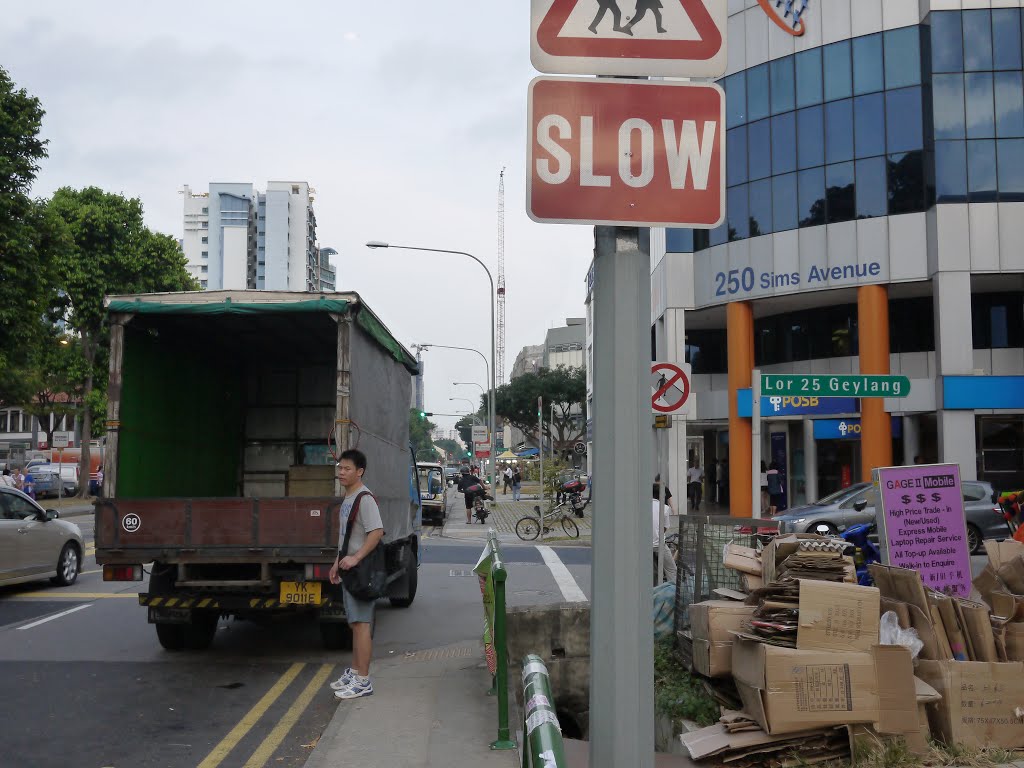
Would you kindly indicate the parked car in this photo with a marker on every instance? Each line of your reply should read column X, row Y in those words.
column 856, row 504
column 35, row 544
column 68, row 472
column 45, row 483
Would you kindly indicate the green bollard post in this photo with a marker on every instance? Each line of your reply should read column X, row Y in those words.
column 499, row 576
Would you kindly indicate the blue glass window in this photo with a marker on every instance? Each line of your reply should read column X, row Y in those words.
column 736, row 100
column 950, row 172
column 1009, row 88
column 947, row 42
column 1006, row 38
column 783, row 98
column 811, row 192
column 906, row 183
column 1011, row 169
column 757, row 92
column 839, row 131
column 808, row 77
column 867, row 64
column 810, row 133
column 981, row 171
column 838, row 71
column 948, row 106
column 904, row 128
column 980, row 105
column 759, row 150
column 736, row 156
column 679, row 240
column 760, row 208
column 739, row 225
column 719, row 234
column 902, row 57
column 701, row 239
column 840, row 192
column 784, row 143
column 871, row 189
column 977, row 40
column 869, row 125
column 784, row 194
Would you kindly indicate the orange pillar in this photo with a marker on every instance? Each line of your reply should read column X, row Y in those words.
column 740, row 337
column 873, row 335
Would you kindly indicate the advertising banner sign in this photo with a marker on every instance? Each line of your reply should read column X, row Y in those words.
column 775, row 405
column 923, row 524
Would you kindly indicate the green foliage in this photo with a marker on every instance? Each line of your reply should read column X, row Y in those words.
column 676, row 694
column 451, row 446
column 566, row 388
column 465, row 425
column 420, row 428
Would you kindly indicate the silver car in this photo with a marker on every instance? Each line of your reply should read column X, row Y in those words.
column 856, row 504
column 34, row 544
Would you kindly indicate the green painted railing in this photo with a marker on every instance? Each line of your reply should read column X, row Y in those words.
column 542, row 737
column 491, row 571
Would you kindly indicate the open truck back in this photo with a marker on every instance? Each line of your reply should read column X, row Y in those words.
column 226, row 412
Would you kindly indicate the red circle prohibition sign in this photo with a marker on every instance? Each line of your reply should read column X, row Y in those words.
column 671, row 374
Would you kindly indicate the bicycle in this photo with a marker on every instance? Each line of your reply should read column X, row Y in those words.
column 528, row 527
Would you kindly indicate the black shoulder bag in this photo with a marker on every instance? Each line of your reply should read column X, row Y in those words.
column 367, row 580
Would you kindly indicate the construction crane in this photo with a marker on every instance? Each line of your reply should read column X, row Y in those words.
column 499, row 362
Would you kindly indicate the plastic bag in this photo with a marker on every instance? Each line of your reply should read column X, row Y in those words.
column 890, row 633
column 664, row 611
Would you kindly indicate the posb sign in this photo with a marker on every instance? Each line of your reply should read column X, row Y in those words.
column 626, row 152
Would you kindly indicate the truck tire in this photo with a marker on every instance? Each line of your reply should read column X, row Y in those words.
column 336, row 635
column 410, row 581
column 171, row 636
column 200, row 633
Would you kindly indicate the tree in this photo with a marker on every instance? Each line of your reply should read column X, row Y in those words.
column 565, row 387
column 53, row 376
column 27, row 276
column 420, row 428
column 465, row 424
column 451, row 447
column 109, row 251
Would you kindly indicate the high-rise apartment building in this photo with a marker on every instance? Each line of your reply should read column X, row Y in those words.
column 236, row 237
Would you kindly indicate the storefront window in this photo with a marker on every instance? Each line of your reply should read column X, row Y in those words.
column 997, row 320
column 1001, row 440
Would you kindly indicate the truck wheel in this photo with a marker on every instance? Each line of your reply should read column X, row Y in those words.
column 336, row 635
column 200, row 633
column 171, row 636
column 412, row 577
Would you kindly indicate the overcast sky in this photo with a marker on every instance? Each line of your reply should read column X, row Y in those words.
column 400, row 114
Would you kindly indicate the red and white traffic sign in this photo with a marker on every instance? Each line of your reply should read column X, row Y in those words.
column 674, row 38
column 626, row 152
column 670, row 388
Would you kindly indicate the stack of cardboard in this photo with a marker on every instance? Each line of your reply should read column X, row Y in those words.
column 711, row 626
column 738, row 741
column 966, row 656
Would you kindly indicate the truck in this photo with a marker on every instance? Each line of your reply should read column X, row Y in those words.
column 227, row 412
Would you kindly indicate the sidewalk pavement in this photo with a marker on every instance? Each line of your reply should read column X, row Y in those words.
column 428, row 709
column 504, row 515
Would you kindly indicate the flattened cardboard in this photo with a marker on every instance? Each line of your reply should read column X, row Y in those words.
column 980, row 702
column 837, row 616
column 787, row 690
column 1000, row 552
column 1015, row 642
column 979, row 630
column 742, row 559
column 899, row 584
column 1012, row 574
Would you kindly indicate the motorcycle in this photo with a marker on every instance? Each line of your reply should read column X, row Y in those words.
column 480, row 511
column 571, row 493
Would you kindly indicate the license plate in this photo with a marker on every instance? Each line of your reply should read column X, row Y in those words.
column 300, row 592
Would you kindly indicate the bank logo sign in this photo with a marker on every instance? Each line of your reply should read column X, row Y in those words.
column 787, row 14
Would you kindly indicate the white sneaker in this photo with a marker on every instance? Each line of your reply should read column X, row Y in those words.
column 346, row 679
column 360, row 686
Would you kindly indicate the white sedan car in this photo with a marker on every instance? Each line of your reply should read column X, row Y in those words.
column 34, row 544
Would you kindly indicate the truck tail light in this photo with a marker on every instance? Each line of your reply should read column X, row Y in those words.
column 122, row 573
column 318, row 572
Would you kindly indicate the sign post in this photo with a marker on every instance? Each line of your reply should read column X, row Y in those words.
column 755, row 443
column 670, row 395
column 60, row 442
column 540, row 453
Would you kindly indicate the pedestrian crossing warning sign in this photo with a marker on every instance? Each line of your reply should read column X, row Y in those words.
column 656, row 38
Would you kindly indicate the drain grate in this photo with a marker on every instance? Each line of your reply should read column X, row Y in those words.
column 440, row 654
column 459, row 572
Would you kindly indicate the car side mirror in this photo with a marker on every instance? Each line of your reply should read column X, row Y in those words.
column 861, row 505
column 52, row 514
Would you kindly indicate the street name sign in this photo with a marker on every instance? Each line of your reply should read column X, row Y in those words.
column 835, row 386
column 680, row 38
column 626, row 152
column 61, row 439
column 670, row 389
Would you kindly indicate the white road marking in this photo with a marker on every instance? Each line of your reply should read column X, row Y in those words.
column 566, row 583
column 55, row 616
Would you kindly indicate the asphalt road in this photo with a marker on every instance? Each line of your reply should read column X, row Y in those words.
column 85, row 680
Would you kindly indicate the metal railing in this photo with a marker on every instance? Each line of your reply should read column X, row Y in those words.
column 542, row 736
column 491, row 571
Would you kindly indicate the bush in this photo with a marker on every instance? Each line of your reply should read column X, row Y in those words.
column 676, row 694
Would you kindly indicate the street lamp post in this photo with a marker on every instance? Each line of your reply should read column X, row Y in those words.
column 490, row 302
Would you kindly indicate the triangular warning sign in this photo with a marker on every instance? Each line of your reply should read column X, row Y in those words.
column 621, row 42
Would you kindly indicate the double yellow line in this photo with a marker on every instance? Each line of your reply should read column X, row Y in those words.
column 273, row 740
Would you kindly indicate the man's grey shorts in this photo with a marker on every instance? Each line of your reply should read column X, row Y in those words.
column 358, row 611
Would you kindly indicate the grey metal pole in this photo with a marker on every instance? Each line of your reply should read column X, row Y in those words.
column 755, row 441
column 621, row 643
column 540, row 453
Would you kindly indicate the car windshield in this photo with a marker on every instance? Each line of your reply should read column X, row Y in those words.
column 839, row 495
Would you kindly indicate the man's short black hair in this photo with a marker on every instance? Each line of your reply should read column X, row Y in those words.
column 354, row 455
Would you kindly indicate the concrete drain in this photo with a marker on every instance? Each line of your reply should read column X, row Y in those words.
column 440, row 654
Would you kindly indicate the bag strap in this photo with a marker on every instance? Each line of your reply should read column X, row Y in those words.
column 352, row 519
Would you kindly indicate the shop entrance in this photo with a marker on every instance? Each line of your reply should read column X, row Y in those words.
column 838, row 465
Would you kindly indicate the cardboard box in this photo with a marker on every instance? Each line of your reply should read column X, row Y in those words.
column 781, row 547
column 712, row 659
column 863, row 736
column 982, row 702
column 787, row 690
column 1015, row 641
column 711, row 625
column 742, row 559
column 838, row 617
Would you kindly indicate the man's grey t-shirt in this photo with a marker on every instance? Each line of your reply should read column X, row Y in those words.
column 367, row 520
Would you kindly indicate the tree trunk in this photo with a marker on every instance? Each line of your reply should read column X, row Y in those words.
column 89, row 350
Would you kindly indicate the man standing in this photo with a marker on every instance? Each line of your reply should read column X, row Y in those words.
column 517, row 483
column 695, row 483
column 367, row 532
column 507, row 474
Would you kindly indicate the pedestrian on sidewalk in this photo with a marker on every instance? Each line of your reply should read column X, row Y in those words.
column 6, row 480
column 764, row 489
column 774, row 489
column 19, row 479
column 517, row 484
column 669, row 565
column 695, row 484
column 668, row 495
column 507, row 477
column 366, row 534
